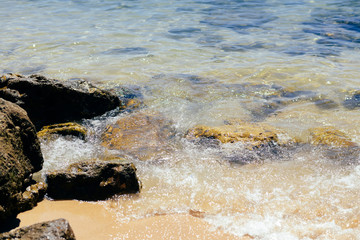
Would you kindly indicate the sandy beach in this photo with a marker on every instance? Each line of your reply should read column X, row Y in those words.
column 91, row 220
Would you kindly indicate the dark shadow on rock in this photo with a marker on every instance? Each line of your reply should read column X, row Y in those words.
column 9, row 225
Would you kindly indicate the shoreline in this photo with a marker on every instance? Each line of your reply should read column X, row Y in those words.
column 91, row 220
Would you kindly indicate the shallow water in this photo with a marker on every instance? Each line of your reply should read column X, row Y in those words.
column 190, row 60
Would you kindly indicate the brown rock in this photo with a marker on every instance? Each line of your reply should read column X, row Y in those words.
column 140, row 134
column 95, row 180
column 55, row 230
column 20, row 156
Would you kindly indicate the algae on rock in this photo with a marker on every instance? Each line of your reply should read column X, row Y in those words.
column 255, row 134
column 330, row 136
column 64, row 129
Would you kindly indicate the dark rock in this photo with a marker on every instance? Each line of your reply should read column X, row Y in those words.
column 95, row 180
column 353, row 102
column 58, row 229
column 20, row 156
column 50, row 101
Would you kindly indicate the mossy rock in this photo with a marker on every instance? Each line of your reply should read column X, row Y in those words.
column 64, row 129
column 143, row 135
column 330, row 136
column 254, row 134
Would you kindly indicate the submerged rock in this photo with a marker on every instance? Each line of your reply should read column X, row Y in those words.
column 330, row 136
column 64, row 129
column 130, row 96
column 50, row 101
column 243, row 142
column 326, row 104
column 95, row 180
column 55, row 230
column 236, row 131
column 335, row 144
column 20, row 157
column 141, row 135
column 353, row 102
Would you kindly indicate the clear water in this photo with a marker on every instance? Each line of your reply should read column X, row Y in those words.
column 187, row 57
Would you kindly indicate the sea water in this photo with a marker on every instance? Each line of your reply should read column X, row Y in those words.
column 190, row 61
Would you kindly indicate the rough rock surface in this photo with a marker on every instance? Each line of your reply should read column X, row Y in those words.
column 55, row 230
column 20, row 156
column 236, row 131
column 143, row 135
column 330, row 136
column 64, row 129
column 95, row 180
column 49, row 101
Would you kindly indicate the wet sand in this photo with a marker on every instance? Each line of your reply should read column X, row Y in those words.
column 94, row 221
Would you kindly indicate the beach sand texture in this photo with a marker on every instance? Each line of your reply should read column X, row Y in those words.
column 94, row 221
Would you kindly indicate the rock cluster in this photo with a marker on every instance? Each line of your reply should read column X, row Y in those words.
column 36, row 99
column 145, row 135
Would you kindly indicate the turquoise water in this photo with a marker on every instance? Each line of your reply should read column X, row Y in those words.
column 190, row 61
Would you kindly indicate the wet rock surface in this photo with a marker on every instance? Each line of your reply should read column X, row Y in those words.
column 330, row 136
column 63, row 129
column 236, row 131
column 95, row 180
column 335, row 145
column 50, row 101
column 243, row 142
column 143, row 135
column 20, row 157
column 56, row 230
